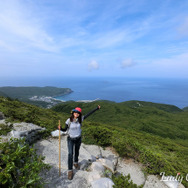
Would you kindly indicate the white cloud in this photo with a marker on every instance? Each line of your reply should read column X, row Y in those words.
column 93, row 65
column 20, row 29
column 127, row 63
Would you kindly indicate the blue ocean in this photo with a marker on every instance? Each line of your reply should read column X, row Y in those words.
column 166, row 91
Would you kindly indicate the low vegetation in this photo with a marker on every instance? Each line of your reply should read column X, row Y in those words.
column 4, row 129
column 166, row 121
column 122, row 181
column 154, row 135
column 17, row 111
column 20, row 166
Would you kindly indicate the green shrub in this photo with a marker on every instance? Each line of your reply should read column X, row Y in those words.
column 19, row 165
column 154, row 162
column 122, row 181
column 97, row 135
column 4, row 129
column 125, row 146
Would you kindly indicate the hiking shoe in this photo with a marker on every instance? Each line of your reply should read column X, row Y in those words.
column 76, row 165
column 70, row 174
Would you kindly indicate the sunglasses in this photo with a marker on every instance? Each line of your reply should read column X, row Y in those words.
column 75, row 111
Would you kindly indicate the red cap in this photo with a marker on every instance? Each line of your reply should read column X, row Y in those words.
column 77, row 109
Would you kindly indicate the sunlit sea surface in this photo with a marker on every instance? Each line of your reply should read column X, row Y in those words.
column 167, row 91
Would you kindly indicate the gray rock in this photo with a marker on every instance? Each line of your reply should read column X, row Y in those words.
column 50, row 149
column 53, row 179
column 79, row 180
column 3, row 121
column 154, row 182
column 84, row 178
column 92, row 176
column 84, row 164
column 97, row 166
column 17, row 134
column 28, row 130
column 23, row 130
column 107, row 164
column 129, row 167
column 108, row 153
column 181, row 186
column 2, row 116
column 89, row 152
column 26, row 127
column 171, row 181
column 102, row 183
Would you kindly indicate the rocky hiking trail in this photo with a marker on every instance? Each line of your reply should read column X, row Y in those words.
column 95, row 162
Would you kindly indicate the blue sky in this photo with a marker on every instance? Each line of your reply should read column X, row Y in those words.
column 137, row 38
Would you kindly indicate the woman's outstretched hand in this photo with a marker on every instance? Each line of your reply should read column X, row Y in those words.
column 99, row 106
column 59, row 127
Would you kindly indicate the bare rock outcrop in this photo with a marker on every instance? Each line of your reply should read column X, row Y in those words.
column 29, row 131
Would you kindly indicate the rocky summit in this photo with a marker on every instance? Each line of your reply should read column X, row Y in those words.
column 96, row 167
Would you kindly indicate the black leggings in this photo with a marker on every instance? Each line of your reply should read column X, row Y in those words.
column 73, row 145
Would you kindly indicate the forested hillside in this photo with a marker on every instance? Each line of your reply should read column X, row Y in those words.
column 26, row 92
column 166, row 121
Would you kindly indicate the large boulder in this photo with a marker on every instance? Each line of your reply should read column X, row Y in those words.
column 89, row 152
column 92, row 176
column 134, row 169
column 110, row 154
column 107, row 164
column 84, row 164
column 97, row 166
column 102, row 183
column 29, row 131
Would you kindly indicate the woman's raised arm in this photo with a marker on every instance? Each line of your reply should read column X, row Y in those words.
column 98, row 107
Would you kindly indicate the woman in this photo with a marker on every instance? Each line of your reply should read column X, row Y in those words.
column 73, row 125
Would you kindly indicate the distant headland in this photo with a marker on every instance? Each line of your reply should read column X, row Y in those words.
column 40, row 96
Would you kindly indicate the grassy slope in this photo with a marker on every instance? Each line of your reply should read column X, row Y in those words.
column 171, row 122
column 121, row 126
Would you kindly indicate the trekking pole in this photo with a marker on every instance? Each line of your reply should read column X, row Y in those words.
column 59, row 150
